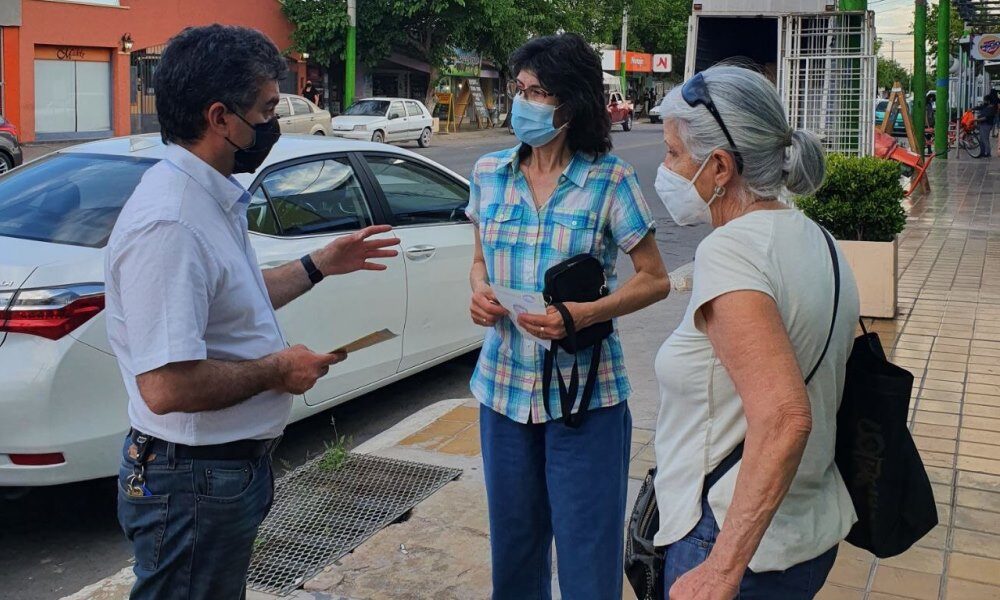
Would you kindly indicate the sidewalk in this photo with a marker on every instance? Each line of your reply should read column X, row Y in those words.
column 947, row 333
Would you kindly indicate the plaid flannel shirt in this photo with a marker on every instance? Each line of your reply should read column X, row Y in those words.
column 597, row 208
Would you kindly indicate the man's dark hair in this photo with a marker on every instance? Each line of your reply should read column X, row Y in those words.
column 569, row 68
column 214, row 63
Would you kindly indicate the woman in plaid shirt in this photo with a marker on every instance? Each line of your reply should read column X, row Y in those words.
column 558, row 194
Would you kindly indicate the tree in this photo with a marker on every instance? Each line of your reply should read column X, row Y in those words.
column 320, row 28
column 889, row 72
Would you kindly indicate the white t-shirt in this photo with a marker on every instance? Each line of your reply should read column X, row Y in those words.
column 783, row 254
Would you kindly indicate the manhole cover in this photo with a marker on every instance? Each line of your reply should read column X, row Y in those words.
column 320, row 515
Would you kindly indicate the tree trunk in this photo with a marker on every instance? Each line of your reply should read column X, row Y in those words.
column 431, row 100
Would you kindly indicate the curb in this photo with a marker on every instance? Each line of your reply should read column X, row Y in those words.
column 408, row 426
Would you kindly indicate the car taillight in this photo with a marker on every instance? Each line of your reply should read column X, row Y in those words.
column 9, row 129
column 37, row 460
column 50, row 313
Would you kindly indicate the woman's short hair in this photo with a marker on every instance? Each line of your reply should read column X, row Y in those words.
column 568, row 67
column 775, row 156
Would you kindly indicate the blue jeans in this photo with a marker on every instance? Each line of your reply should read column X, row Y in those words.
column 193, row 536
column 545, row 480
column 799, row 582
column 984, row 138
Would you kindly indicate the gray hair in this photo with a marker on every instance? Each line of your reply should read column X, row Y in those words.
column 775, row 156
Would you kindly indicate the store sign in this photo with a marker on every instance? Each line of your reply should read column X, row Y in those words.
column 986, row 47
column 609, row 60
column 464, row 64
column 443, row 97
column 638, row 62
column 663, row 63
column 67, row 53
column 72, row 53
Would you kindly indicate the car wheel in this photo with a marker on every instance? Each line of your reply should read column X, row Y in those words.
column 425, row 138
column 319, row 132
column 6, row 164
column 627, row 123
column 378, row 137
column 654, row 119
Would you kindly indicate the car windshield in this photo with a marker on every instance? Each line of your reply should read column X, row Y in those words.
column 368, row 108
column 68, row 198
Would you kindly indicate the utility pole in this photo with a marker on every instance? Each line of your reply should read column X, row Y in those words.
column 624, row 50
column 942, row 112
column 919, row 71
column 350, row 55
column 892, row 50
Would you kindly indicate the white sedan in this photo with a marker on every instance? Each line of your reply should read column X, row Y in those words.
column 62, row 401
column 385, row 120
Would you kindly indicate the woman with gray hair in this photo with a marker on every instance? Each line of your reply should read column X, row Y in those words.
column 752, row 378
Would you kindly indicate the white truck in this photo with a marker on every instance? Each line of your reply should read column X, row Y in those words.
column 821, row 60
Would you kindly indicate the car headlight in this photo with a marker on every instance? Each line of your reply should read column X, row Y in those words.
column 360, row 128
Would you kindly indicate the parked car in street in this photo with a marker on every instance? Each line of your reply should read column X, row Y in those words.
column 386, row 120
column 898, row 126
column 10, row 147
column 63, row 403
column 620, row 110
column 298, row 115
column 655, row 113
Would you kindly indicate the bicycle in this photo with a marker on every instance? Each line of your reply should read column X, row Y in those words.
column 963, row 134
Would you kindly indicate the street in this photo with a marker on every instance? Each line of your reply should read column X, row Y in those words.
column 57, row 540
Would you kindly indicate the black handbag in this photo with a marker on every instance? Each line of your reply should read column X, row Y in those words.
column 579, row 279
column 877, row 457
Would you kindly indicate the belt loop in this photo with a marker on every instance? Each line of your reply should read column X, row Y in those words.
column 171, row 455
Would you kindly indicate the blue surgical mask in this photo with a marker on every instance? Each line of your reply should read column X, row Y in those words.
column 532, row 122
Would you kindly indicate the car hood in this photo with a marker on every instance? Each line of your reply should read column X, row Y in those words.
column 347, row 122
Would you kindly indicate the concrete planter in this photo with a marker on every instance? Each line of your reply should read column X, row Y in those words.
column 874, row 265
column 436, row 124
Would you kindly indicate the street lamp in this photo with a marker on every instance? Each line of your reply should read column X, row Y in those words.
column 126, row 43
column 305, row 56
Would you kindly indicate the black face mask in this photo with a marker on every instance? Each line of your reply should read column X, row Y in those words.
column 265, row 135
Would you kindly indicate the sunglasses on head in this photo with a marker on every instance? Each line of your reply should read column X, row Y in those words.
column 695, row 92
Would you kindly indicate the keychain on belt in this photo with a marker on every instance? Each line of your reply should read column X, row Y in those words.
column 136, row 483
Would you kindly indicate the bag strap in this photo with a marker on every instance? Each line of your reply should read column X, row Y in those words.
column 567, row 396
column 737, row 453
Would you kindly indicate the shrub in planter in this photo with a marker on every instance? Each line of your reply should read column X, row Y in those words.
column 859, row 200
column 860, row 204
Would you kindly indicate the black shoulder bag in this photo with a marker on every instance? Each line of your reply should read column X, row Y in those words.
column 579, row 279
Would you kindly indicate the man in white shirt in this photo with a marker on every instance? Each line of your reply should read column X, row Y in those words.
column 191, row 319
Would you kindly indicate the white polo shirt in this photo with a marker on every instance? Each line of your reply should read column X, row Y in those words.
column 183, row 284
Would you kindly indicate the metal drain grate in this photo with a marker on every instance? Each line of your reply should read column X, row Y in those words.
column 320, row 515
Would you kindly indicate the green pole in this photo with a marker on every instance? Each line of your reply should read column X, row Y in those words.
column 350, row 55
column 624, row 52
column 853, row 108
column 919, row 70
column 942, row 112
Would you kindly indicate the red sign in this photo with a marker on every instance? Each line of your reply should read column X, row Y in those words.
column 662, row 63
column 638, row 62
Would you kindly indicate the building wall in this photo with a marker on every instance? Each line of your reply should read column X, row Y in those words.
column 148, row 22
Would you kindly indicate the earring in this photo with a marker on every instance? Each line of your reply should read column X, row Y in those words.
column 719, row 191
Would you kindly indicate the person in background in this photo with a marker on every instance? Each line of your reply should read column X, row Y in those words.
column 310, row 93
column 560, row 193
column 732, row 375
column 986, row 114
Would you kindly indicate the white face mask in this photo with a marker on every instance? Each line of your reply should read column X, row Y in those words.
column 681, row 197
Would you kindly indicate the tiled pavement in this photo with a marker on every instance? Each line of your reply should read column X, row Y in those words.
column 947, row 333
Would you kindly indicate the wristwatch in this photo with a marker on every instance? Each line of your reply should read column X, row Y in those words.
column 315, row 275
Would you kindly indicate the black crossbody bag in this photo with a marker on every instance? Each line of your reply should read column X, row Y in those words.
column 579, row 279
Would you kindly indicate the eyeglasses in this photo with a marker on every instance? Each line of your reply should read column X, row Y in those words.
column 533, row 93
column 695, row 92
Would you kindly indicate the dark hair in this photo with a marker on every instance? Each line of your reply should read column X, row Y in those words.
column 214, row 63
column 569, row 68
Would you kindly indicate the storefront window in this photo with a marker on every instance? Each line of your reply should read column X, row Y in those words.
column 72, row 96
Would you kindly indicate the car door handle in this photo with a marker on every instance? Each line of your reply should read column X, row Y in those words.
column 423, row 252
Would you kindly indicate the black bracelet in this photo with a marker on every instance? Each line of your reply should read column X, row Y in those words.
column 315, row 275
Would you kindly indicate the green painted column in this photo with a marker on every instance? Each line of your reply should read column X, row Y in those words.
column 942, row 113
column 852, row 107
column 350, row 54
column 919, row 70
column 853, row 4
